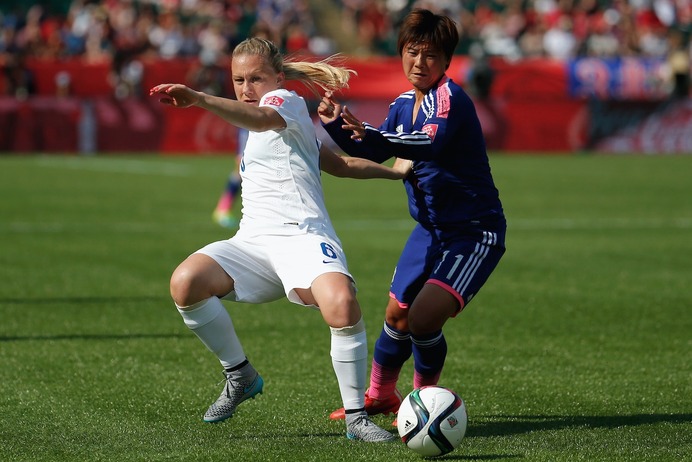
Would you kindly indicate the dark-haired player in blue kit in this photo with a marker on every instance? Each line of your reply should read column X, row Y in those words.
column 460, row 235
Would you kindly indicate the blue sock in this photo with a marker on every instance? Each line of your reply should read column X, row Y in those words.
column 392, row 348
column 429, row 353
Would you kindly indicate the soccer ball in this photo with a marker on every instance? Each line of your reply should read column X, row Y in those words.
column 432, row 420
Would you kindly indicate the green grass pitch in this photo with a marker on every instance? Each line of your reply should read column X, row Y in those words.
column 579, row 348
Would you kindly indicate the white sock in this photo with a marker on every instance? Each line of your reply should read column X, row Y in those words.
column 210, row 321
column 349, row 353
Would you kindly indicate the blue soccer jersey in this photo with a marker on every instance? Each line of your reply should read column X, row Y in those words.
column 451, row 187
column 451, row 194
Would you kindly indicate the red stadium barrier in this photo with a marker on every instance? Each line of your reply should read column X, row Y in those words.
column 86, row 79
column 45, row 124
column 533, row 79
column 127, row 125
column 196, row 130
column 529, row 108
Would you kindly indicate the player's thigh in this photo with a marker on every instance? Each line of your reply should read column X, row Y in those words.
column 432, row 308
column 335, row 295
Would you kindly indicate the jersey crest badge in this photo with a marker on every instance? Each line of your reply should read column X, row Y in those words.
column 431, row 130
column 274, row 101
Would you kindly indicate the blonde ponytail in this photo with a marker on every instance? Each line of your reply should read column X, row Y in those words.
column 322, row 74
column 325, row 74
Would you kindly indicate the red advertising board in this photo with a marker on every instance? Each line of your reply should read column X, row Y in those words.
column 531, row 106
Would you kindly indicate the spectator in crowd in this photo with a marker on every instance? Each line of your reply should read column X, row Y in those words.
column 559, row 41
column 124, row 30
column 678, row 62
column 127, row 31
column 18, row 80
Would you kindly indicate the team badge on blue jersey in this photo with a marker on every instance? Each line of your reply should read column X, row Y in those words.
column 431, row 130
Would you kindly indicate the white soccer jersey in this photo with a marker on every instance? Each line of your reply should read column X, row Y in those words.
column 282, row 186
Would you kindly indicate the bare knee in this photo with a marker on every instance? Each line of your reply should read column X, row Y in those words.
column 344, row 308
column 345, row 297
column 396, row 316
column 182, row 287
column 198, row 278
column 337, row 302
column 335, row 296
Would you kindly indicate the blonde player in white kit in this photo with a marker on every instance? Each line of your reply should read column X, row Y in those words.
column 286, row 244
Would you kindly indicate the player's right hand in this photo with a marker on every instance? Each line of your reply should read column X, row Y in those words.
column 329, row 108
column 175, row 94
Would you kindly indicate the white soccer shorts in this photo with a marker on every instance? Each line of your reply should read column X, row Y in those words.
column 268, row 267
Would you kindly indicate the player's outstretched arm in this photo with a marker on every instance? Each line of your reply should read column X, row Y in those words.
column 240, row 114
column 361, row 169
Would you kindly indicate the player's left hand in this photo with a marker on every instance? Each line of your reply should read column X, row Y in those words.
column 353, row 123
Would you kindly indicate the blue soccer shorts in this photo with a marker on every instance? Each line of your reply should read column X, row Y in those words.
column 459, row 263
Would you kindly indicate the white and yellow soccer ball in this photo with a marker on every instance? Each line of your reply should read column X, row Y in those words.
column 432, row 420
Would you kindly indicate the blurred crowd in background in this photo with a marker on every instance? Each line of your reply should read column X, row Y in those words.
column 126, row 31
